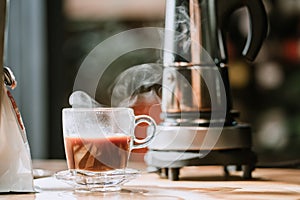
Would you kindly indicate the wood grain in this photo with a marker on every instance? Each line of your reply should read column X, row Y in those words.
column 205, row 182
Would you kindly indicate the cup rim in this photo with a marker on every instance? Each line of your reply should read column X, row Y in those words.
column 106, row 109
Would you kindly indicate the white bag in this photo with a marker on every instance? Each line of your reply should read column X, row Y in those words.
column 15, row 160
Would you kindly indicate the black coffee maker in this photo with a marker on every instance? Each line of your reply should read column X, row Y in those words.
column 199, row 125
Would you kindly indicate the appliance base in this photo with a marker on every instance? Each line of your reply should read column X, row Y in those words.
column 168, row 163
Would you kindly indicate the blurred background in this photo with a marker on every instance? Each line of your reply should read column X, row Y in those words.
column 48, row 40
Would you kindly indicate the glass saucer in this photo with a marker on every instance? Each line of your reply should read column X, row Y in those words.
column 85, row 181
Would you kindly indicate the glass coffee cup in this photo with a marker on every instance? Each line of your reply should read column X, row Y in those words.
column 98, row 142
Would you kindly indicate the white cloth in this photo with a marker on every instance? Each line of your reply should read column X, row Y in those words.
column 15, row 160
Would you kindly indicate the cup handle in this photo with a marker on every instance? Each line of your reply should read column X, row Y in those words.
column 141, row 143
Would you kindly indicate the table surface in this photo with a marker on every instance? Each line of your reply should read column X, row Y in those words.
column 204, row 182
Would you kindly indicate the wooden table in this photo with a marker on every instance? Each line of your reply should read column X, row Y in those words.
column 205, row 182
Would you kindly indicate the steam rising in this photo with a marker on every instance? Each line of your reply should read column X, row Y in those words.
column 80, row 99
column 182, row 27
column 178, row 35
column 135, row 80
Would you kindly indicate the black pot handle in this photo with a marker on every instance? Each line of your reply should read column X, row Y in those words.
column 258, row 24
